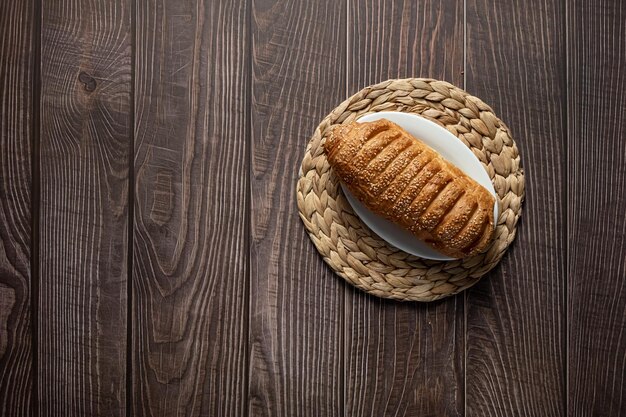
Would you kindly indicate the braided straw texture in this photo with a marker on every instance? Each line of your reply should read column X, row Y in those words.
column 360, row 256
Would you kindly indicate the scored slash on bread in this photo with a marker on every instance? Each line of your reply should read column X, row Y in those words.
column 404, row 180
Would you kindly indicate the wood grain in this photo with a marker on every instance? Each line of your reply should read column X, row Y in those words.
column 18, row 58
column 597, row 195
column 86, row 134
column 403, row 359
column 17, row 65
column 205, row 108
column 191, row 209
column 402, row 39
column 296, row 330
column 515, row 315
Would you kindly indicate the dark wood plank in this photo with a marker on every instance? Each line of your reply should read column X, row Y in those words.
column 402, row 39
column 515, row 315
column 597, row 194
column 404, row 359
column 190, row 236
column 86, row 136
column 17, row 64
column 296, row 303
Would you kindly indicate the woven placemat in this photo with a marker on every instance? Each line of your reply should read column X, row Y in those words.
column 355, row 252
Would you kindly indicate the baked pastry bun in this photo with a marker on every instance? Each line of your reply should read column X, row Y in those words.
column 404, row 180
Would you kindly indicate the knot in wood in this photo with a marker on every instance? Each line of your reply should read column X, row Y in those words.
column 88, row 81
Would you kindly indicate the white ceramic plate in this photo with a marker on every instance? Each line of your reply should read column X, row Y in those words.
column 452, row 149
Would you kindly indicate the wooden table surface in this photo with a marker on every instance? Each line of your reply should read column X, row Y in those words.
column 152, row 262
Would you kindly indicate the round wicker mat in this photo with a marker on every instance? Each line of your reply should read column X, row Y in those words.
column 360, row 256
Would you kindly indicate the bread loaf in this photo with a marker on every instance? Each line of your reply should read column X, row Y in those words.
column 404, row 180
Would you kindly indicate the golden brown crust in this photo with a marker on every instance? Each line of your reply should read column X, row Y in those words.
column 409, row 183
